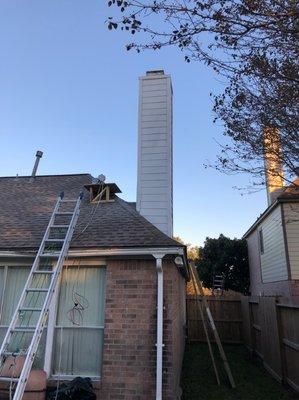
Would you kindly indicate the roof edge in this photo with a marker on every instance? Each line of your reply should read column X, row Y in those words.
column 267, row 212
column 43, row 176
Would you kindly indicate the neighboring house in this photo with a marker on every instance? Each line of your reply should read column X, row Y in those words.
column 120, row 268
column 273, row 245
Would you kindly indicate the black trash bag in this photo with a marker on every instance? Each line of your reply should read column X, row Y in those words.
column 77, row 389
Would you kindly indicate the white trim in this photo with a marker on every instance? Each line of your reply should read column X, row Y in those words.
column 4, row 284
column 71, row 377
column 108, row 252
column 50, row 330
column 159, row 344
column 100, row 327
column 86, row 263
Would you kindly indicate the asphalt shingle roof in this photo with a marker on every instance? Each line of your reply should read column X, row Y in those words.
column 291, row 191
column 26, row 206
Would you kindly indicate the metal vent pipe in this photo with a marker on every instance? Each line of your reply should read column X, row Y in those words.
column 38, row 156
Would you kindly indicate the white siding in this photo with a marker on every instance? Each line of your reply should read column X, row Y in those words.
column 154, row 186
column 291, row 219
column 273, row 261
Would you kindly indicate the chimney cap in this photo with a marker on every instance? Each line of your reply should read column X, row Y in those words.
column 39, row 154
column 155, row 72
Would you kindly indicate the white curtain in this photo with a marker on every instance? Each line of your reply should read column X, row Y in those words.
column 15, row 281
column 78, row 337
column 14, row 284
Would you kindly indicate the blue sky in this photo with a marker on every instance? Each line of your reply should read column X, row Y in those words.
column 68, row 87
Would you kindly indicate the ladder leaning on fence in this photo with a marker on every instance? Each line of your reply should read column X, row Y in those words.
column 55, row 245
column 200, row 292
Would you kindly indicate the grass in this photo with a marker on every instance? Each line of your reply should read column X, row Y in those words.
column 252, row 381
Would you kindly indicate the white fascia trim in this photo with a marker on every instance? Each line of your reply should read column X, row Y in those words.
column 127, row 252
column 109, row 252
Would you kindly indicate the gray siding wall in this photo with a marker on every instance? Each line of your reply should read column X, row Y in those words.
column 257, row 287
column 291, row 220
column 154, row 184
column 273, row 261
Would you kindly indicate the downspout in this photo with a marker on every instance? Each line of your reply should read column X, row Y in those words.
column 159, row 344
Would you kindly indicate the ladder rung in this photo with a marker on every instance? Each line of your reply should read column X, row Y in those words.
column 43, row 272
column 51, row 255
column 55, row 240
column 22, row 309
column 8, row 379
column 37, row 290
column 59, row 226
column 24, row 329
column 68, row 201
column 13, row 354
column 64, row 213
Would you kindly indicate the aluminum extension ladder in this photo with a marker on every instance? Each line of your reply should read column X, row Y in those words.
column 46, row 252
column 218, row 284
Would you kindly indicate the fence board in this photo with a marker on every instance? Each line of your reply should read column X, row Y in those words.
column 271, row 330
column 289, row 317
column 270, row 345
column 227, row 315
column 267, row 325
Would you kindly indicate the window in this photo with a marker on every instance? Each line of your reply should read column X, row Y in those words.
column 261, row 241
column 77, row 348
column 12, row 281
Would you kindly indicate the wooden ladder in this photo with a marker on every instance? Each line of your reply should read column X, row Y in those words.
column 200, row 292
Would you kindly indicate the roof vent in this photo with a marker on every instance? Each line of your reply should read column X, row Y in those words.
column 38, row 156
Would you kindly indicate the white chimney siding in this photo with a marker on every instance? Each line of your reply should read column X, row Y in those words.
column 154, row 184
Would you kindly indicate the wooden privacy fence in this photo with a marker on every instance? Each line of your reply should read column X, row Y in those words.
column 227, row 315
column 269, row 326
column 271, row 330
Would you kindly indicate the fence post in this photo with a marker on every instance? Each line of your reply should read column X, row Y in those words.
column 246, row 321
column 283, row 361
column 251, row 329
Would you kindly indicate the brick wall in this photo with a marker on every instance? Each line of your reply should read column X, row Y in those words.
column 129, row 355
column 295, row 288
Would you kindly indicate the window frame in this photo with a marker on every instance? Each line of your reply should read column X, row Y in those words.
column 50, row 328
column 261, row 241
column 52, row 320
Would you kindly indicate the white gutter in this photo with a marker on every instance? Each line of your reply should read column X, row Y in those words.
column 159, row 344
column 107, row 252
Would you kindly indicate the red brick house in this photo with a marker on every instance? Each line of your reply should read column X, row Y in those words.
column 114, row 263
column 128, row 335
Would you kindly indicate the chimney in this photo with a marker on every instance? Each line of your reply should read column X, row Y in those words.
column 273, row 165
column 154, row 181
column 38, row 156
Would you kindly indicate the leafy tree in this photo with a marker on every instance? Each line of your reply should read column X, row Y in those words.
column 228, row 258
column 192, row 251
column 254, row 45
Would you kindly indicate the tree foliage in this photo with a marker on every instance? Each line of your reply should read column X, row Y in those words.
column 192, row 251
column 254, row 45
column 228, row 258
